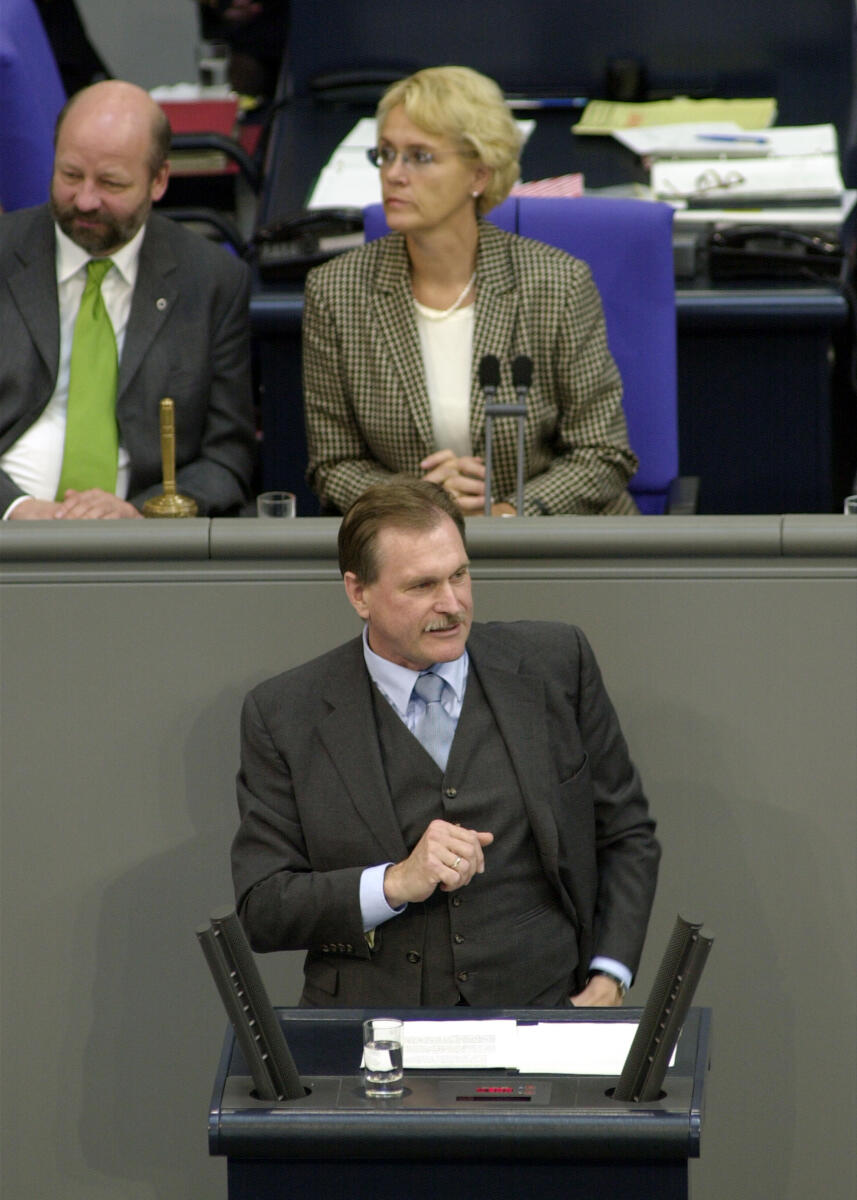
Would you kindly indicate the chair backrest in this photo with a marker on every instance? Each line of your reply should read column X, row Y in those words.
column 628, row 247
column 31, row 96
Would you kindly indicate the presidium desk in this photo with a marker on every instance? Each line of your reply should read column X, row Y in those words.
column 454, row 1134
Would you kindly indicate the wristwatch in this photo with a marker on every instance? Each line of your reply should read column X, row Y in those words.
column 620, row 983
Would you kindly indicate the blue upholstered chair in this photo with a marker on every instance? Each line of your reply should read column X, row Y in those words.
column 31, row 96
column 628, row 246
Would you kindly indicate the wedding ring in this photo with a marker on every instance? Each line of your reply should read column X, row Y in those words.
column 455, row 864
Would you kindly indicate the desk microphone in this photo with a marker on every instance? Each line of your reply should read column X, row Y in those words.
column 522, row 376
column 489, row 376
column 489, row 381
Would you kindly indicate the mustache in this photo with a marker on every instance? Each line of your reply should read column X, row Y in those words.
column 448, row 622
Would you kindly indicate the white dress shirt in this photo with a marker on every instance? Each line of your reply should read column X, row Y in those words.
column 34, row 461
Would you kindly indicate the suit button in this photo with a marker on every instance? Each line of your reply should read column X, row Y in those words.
column 458, row 939
column 456, row 901
column 451, row 793
column 412, row 956
column 462, row 977
column 350, row 948
column 325, row 949
column 340, row 948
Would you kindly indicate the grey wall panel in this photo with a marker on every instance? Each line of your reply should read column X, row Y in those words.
column 735, row 681
column 149, row 44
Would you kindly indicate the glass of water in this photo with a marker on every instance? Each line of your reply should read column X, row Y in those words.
column 382, row 1057
column 276, row 504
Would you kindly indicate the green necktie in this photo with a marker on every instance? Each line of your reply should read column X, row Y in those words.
column 91, row 446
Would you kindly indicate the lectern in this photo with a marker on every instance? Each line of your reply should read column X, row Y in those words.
column 454, row 1133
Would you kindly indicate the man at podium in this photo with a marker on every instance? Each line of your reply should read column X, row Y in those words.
column 441, row 812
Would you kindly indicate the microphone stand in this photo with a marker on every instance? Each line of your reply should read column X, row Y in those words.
column 489, row 379
column 522, row 377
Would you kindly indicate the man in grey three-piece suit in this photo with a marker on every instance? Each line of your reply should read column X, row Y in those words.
column 178, row 307
column 478, row 836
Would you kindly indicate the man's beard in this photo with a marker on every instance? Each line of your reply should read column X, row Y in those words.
column 107, row 234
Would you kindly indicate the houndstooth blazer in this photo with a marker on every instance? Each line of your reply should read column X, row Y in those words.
column 365, row 398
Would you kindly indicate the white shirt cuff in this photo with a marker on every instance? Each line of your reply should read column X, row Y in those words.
column 8, row 513
column 612, row 967
column 373, row 903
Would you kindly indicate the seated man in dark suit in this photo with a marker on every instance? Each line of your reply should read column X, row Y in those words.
column 106, row 308
column 441, row 812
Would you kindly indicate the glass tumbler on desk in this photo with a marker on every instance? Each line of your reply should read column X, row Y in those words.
column 276, row 504
column 382, row 1057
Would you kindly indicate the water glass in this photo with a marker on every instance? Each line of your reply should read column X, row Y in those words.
column 276, row 504
column 382, row 1057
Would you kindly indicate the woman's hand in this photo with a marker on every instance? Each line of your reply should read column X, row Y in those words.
column 463, row 476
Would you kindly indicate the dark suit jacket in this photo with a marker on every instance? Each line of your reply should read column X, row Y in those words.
column 187, row 337
column 365, row 398
column 316, row 810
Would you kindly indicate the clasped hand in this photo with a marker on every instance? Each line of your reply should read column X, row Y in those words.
column 463, row 476
column 446, row 856
column 78, row 506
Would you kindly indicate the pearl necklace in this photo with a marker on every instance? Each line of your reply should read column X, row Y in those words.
column 438, row 315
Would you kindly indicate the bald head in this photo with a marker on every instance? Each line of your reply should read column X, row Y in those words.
column 114, row 105
column 110, row 164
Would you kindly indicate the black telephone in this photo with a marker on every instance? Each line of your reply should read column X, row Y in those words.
column 765, row 252
column 288, row 249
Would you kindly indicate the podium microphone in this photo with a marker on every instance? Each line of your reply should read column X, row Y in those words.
column 489, row 381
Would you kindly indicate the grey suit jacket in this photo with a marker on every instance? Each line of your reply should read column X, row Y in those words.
column 187, row 337
column 365, row 398
column 315, row 807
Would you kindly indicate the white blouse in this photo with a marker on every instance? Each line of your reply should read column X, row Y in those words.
column 447, row 348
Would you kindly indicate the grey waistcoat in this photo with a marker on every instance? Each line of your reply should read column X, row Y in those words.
column 502, row 941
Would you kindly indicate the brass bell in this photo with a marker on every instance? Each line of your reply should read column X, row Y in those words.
column 170, row 503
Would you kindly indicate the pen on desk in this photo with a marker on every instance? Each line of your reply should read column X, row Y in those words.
column 526, row 102
column 732, row 137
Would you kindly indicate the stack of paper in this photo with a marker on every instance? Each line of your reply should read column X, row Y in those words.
column 349, row 180
column 726, row 139
column 606, row 116
column 784, row 175
column 558, row 185
column 750, row 182
column 542, row 1047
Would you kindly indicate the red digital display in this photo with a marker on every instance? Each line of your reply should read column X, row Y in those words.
column 505, row 1091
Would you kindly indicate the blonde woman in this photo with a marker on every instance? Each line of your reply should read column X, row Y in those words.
column 394, row 332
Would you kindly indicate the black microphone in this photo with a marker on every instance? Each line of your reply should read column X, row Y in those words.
column 522, row 376
column 489, row 375
column 489, row 381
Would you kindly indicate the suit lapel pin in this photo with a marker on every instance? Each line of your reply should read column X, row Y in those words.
column 160, row 304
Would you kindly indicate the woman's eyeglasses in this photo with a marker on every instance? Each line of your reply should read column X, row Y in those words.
column 415, row 159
